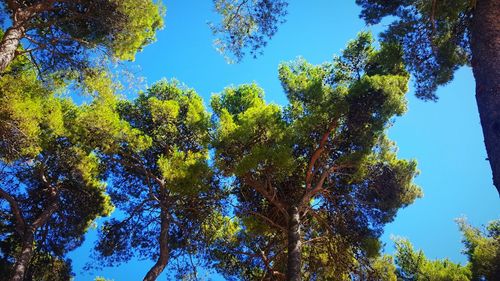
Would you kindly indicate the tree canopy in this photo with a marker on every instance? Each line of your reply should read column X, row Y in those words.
column 437, row 37
column 71, row 35
column 246, row 25
column 254, row 191
column 162, row 180
column 320, row 172
column 51, row 184
column 482, row 248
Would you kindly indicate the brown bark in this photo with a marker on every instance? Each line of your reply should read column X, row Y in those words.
column 13, row 35
column 24, row 258
column 28, row 231
column 162, row 261
column 16, row 211
column 294, row 262
column 317, row 154
column 485, row 44
column 9, row 44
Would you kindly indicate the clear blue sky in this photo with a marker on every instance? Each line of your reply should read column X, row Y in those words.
column 445, row 137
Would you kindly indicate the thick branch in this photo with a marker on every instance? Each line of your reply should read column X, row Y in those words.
column 16, row 211
column 46, row 214
column 164, row 256
column 309, row 194
column 317, row 153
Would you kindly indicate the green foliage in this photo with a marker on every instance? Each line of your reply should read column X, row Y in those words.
column 482, row 249
column 143, row 19
column 246, row 25
column 433, row 34
column 55, row 180
column 414, row 266
column 28, row 111
column 156, row 146
column 100, row 124
column 73, row 35
column 384, row 268
column 326, row 153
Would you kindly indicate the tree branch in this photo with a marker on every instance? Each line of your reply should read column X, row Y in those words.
column 270, row 197
column 267, row 263
column 319, row 186
column 16, row 211
column 268, row 220
column 46, row 214
column 317, row 153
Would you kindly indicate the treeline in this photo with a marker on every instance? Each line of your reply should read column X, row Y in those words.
column 254, row 191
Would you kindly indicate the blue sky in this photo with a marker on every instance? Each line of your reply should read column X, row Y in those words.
column 445, row 137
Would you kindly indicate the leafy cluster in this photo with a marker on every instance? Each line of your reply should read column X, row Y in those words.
column 435, row 36
column 62, row 35
column 246, row 25
column 482, row 248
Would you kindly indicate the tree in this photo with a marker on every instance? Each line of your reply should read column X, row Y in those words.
column 51, row 187
column 64, row 34
column 246, row 25
column 246, row 248
column 42, row 267
column 438, row 37
column 482, row 247
column 319, row 175
column 414, row 266
column 157, row 149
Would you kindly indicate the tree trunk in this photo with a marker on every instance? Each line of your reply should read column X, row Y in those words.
column 9, row 44
column 485, row 44
column 162, row 261
column 24, row 258
column 294, row 263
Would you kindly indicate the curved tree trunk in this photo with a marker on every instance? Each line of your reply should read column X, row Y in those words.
column 24, row 258
column 294, row 263
column 9, row 44
column 162, row 261
column 485, row 46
